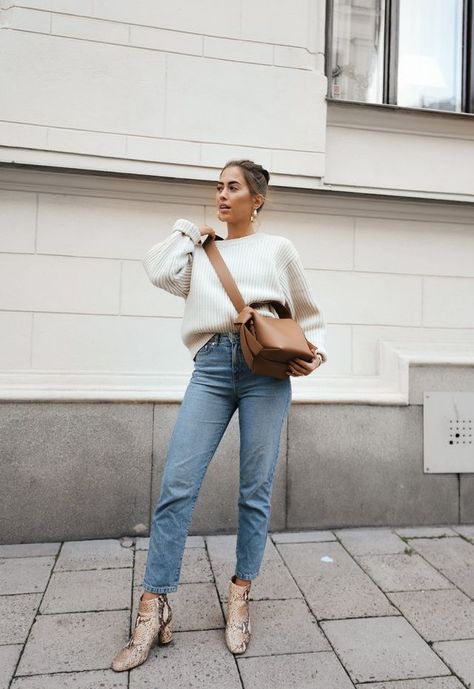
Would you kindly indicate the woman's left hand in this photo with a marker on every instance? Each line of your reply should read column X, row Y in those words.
column 300, row 367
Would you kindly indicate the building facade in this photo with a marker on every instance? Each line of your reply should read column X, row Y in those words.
column 115, row 120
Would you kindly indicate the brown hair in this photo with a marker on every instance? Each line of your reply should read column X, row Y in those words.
column 255, row 175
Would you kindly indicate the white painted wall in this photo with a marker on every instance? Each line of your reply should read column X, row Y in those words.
column 79, row 317
column 168, row 92
column 175, row 89
column 402, row 152
column 164, row 88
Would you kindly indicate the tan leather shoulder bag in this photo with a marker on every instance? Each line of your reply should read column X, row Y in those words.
column 267, row 343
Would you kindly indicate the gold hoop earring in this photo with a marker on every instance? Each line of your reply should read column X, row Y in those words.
column 254, row 215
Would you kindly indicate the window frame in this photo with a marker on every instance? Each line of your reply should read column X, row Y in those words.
column 390, row 59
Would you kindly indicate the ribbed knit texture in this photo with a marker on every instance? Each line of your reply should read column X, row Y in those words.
column 264, row 266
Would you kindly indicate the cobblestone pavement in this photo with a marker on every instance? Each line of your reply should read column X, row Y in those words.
column 382, row 608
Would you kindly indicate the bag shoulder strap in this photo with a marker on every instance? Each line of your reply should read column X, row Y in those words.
column 223, row 272
column 228, row 282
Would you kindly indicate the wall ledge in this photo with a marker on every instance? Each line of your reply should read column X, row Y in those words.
column 51, row 161
column 198, row 191
column 389, row 387
column 394, row 118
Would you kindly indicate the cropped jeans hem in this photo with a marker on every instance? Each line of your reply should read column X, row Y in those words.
column 160, row 589
column 247, row 576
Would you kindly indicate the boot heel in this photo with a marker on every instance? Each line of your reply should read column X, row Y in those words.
column 238, row 629
column 166, row 635
column 152, row 627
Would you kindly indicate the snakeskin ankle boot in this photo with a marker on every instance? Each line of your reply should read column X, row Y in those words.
column 238, row 630
column 152, row 626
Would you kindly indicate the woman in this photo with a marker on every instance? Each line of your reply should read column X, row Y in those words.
column 265, row 267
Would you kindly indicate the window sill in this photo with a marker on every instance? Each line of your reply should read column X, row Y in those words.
column 382, row 116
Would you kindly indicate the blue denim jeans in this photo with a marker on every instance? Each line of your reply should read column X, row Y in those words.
column 221, row 382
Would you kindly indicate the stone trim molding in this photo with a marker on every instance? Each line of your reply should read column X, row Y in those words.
column 390, row 386
column 200, row 191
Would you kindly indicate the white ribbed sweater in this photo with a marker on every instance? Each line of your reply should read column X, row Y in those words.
column 264, row 266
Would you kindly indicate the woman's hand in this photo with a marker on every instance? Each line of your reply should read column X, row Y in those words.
column 205, row 229
column 300, row 367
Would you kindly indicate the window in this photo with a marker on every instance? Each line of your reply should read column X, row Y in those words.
column 412, row 53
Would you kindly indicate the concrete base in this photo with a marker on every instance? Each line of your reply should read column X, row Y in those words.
column 82, row 470
column 90, row 470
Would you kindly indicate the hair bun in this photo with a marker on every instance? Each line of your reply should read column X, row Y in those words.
column 265, row 173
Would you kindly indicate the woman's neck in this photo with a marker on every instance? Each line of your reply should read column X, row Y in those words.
column 239, row 232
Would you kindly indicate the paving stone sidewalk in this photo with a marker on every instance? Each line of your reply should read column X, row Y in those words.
column 375, row 608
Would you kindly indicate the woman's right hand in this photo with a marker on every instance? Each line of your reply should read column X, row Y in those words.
column 205, row 229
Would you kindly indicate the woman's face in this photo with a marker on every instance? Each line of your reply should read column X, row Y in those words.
column 232, row 191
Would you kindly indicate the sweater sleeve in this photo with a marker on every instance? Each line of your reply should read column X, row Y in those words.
column 302, row 306
column 168, row 264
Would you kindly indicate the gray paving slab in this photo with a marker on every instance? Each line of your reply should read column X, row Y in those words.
column 466, row 530
column 301, row 671
column 24, row 574
column 437, row 615
column 8, row 659
column 96, row 679
column 223, row 547
column 85, row 590
column 17, row 613
column 402, row 572
column 142, row 543
column 187, row 615
column 370, row 541
column 332, row 582
column 381, row 649
column 274, row 580
column 74, row 642
column 29, row 549
column 93, row 554
column 195, row 566
column 424, row 531
column 88, row 590
column 195, row 607
column 453, row 557
column 127, row 542
column 428, row 683
column 459, row 656
column 139, row 567
column 283, row 626
column 200, row 660
column 302, row 536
